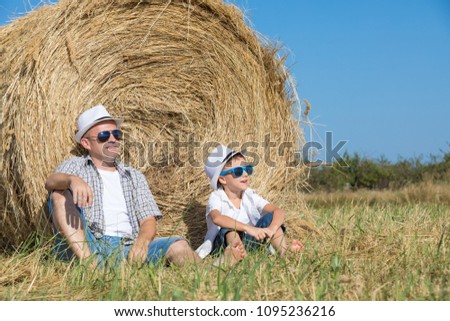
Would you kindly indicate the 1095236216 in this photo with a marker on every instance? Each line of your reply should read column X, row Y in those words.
column 295, row 311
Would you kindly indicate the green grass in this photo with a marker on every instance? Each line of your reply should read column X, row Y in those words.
column 362, row 251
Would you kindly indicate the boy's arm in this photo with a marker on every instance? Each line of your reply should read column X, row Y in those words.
column 278, row 217
column 230, row 223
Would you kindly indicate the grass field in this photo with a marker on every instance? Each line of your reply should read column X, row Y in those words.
column 368, row 246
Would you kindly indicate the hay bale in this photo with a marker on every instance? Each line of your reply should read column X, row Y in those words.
column 182, row 74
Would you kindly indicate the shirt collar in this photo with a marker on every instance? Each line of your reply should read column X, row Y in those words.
column 224, row 197
column 121, row 167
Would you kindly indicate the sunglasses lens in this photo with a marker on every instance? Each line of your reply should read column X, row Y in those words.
column 103, row 136
column 249, row 169
column 117, row 134
column 238, row 171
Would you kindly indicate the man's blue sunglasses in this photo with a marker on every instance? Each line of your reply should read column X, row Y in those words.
column 238, row 171
column 104, row 136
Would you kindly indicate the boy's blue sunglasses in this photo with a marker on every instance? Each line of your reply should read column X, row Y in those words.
column 104, row 136
column 238, row 171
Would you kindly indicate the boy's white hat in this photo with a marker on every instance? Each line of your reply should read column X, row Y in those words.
column 216, row 161
column 91, row 117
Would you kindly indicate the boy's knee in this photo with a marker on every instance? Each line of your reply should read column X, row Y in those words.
column 265, row 221
column 232, row 235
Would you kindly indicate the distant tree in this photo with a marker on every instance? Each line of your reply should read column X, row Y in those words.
column 358, row 172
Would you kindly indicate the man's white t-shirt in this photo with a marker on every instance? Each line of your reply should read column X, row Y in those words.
column 249, row 213
column 117, row 221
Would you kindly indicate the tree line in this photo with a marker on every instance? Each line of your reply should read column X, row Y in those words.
column 354, row 172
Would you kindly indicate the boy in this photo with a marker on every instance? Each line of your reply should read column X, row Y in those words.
column 235, row 213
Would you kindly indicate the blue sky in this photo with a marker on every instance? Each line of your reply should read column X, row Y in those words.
column 376, row 72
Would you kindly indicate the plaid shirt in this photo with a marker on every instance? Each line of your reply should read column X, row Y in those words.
column 138, row 197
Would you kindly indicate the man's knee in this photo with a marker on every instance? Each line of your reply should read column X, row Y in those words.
column 179, row 247
column 64, row 212
column 59, row 198
column 180, row 252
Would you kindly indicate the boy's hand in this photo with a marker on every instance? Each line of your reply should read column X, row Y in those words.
column 271, row 231
column 258, row 233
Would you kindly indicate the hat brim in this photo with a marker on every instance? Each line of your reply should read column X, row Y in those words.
column 215, row 178
column 84, row 130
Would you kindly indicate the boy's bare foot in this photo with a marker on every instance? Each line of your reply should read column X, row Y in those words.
column 238, row 249
column 233, row 253
column 296, row 246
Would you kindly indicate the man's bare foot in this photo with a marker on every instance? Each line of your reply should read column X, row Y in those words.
column 233, row 253
column 296, row 246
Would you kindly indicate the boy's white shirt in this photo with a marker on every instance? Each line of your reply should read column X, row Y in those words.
column 249, row 213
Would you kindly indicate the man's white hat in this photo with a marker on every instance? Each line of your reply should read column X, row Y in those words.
column 91, row 117
column 216, row 161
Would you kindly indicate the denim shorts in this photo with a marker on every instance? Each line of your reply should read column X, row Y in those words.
column 250, row 243
column 109, row 248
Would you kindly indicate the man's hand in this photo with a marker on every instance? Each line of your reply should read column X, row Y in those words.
column 138, row 252
column 147, row 231
column 81, row 191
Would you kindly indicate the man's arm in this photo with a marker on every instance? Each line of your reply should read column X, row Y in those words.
column 58, row 182
column 81, row 191
column 147, row 232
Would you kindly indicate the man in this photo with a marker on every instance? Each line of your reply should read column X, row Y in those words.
column 101, row 206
